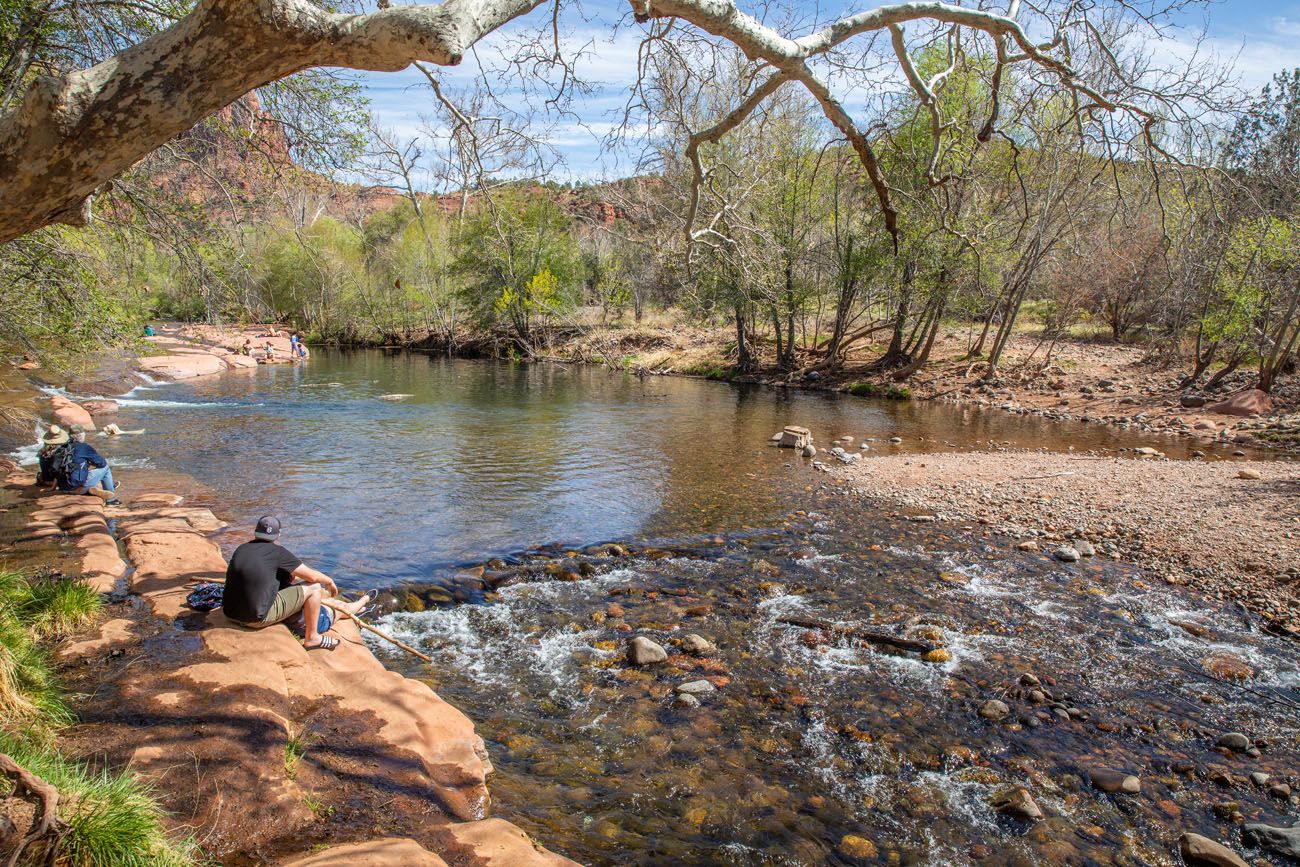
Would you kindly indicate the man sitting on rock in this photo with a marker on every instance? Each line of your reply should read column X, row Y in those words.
column 74, row 465
column 266, row 584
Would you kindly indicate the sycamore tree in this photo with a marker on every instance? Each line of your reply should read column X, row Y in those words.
column 74, row 123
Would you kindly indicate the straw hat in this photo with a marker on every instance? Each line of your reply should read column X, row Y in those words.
column 55, row 436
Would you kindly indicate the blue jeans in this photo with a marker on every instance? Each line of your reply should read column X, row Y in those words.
column 100, row 475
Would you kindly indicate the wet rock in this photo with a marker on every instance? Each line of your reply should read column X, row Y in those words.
column 1115, row 781
column 895, row 440
column 1148, row 452
column 1085, row 548
column 809, row 451
column 1029, row 547
column 794, row 437
column 1066, row 554
column 697, row 645
column 1249, row 474
column 994, row 710
column 1259, row 778
column 854, row 846
column 1016, row 801
column 1198, row 850
column 1281, row 841
column 1235, row 741
column 1028, row 679
column 938, row 655
column 685, row 699
column 1227, row 666
column 695, row 687
column 643, row 651
column 99, row 407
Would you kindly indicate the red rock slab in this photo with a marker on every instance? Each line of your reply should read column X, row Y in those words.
column 108, row 634
column 1252, row 401
column 66, row 413
column 237, row 362
column 185, row 366
column 497, row 843
column 419, row 735
column 388, row 852
column 100, row 407
column 82, row 516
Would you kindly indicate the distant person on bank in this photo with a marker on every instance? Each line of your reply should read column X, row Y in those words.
column 71, row 464
column 266, row 584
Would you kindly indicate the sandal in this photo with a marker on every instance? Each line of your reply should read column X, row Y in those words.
column 326, row 643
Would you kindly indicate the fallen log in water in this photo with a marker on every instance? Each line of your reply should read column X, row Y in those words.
column 861, row 634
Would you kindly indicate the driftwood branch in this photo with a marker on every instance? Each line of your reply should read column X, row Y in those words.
column 46, row 823
column 860, row 634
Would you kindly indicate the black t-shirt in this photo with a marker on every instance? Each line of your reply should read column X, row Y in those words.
column 258, row 570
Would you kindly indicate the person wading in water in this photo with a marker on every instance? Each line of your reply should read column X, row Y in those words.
column 266, row 584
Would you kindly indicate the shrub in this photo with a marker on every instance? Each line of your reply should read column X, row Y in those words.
column 888, row 392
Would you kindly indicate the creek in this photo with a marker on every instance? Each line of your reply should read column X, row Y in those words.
column 484, row 499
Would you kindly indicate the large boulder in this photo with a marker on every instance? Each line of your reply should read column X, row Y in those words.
column 1252, row 401
column 237, row 362
column 100, row 407
column 66, row 413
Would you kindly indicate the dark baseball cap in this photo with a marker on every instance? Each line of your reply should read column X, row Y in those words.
column 268, row 528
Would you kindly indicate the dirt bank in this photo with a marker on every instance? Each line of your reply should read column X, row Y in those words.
column 1186, row 522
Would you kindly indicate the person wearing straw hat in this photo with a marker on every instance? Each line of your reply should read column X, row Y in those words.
column 46, row 477
column 83, row 470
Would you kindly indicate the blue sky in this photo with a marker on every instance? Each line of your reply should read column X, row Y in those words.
column 1256, row 37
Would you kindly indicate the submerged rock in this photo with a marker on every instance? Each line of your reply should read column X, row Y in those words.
column 697, row 645
column 695, row 687
column 643, row 651
column 994, row 710
column 1198, row 850
column 1282, row 841
column 858, row 847
column 1016, row 801
column 1235, row 741
column 1115, row 781
column 1066, row 554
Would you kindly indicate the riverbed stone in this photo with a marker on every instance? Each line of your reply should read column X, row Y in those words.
column 1198, row 850
column 695, row 687
column 1227, row 666
column 809, row 451
column 858, row 847
column 1249, row 474
column 643, row 651
column 1030, row 546
column 1252, row 401
column 685, row 699
column 1016, row 801
column 1115, row 782
column 795, row 437
column 1085, row 548
column 1235, row 741
column 697, row 645
column 1281, row 841
column 994, row 710
column 1066, row 554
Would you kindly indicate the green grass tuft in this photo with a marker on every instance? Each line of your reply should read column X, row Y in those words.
column 59, row 606
column 113, row 819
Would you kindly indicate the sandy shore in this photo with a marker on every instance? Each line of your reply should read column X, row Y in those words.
column 1186, row 522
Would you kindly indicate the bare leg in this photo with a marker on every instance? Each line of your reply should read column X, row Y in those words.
column 310, row 613
column 349, row 607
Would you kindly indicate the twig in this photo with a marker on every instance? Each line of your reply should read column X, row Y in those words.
column 859, row 633
column 366, row 626
column 1048, row 476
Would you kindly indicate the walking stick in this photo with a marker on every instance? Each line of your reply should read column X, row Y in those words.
column 366, row 626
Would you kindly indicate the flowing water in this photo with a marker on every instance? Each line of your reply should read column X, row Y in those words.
column 483, row 500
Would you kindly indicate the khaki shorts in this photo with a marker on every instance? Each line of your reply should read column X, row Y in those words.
column 287, row 603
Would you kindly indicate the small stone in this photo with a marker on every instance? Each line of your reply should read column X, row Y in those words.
column 895, row 440
column 1259, row 778
column 1249, row 474
column 1028, row 679
column 1198, row 850
column 937, row 655
column 1029, row 547
column 858, row 847
column 809, row 451
column 1235, row 741
column 684, row 699
column 1085, row 548
column 643, row 651
column 1115, row 781
column 695, row 687
column 697, row 645
column 1066, row 554
column 994, row 710
column 1016, row 801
